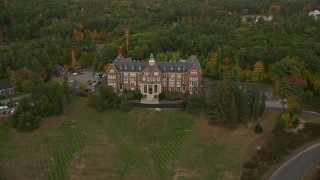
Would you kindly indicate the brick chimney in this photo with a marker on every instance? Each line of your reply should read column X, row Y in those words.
column 73, row 56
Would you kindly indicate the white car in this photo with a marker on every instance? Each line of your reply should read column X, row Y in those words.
column 71, row 81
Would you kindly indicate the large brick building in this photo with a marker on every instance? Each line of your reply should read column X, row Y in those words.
column 152, row 78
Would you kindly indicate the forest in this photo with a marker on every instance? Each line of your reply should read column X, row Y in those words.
column 230, row 38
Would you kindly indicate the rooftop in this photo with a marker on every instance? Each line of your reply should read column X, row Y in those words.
column 129, row 65
column 5, row 84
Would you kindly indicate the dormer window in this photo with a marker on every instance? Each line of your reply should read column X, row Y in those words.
column 125, row 67
column 120, row 67
column 184, row 68
column 178, row 68
column 171, row 68
column 139, row 68
column 164, row 68
column 132, row 67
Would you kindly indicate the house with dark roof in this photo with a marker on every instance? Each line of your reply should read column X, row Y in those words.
column 5, row 87
column 151, row 78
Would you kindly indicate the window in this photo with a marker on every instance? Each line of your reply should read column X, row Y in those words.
column 111, row 76
column 194, row 72
column 156, row 74
column 111, row 71
column 171, row 75
column 158, row 78
column 164, row 75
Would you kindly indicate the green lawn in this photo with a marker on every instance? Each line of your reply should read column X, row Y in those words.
column 142, row 144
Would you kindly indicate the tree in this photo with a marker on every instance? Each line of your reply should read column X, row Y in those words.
column 55, row 95
column 193, row 103
column 27, row 122
column 45, row 106
column 66, row 90
column 242, row 102
column 20, row 78
column 220, row 104
column 90, row 99
column 34, row 88
column 286, row 67
column 258, row 129
column 254, row 99
column 125, row 105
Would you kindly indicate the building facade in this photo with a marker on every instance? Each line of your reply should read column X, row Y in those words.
column 151, row 78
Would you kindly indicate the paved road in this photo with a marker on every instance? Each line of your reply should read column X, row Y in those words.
column 295, row 168
column 169, row 105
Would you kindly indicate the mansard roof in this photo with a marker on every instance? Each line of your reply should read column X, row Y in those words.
column 128, row 65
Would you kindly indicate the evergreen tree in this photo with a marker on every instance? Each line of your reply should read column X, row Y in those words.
column 254, row 99
column 66, row 90
column 241, row 99
column 27, row 122
column 194, row 103
column 220, row 103
column 55, row 95
column 90, row 99
column 125, row 105
column 233, row 115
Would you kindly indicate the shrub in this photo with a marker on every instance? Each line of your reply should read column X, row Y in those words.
column 173, row 95
column 125, row 105
column 138, row 95
column 184, row 105
column 258, row 129
column 162, row 96
column 26, row 122
column 295, row 121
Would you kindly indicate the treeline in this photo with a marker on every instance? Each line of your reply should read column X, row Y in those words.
column 229, row 104
column 44, row 100
column 214, row 31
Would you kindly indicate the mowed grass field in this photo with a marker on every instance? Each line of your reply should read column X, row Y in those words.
column 142, row 144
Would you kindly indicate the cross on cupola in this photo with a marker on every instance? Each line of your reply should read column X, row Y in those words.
column 151, row 60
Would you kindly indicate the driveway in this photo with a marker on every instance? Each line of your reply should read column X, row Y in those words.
column 295, row 168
